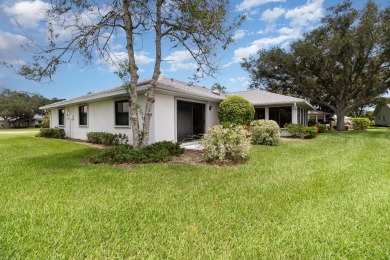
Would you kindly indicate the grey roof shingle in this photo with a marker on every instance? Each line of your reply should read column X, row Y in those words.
column 256, row 97
column 162, row 84
column 261, row 98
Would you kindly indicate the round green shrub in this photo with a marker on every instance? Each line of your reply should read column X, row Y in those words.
column 265, row 132
column 235, row 110
column 226, row 144
column 360, row 123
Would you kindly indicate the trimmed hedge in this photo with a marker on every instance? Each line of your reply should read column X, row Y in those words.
column 157, row 152
column 58, row 133
column 360, row 123
column 106, row 138
column 265, row 132
column 235, row 110
column 300, row 131
column 310, row 132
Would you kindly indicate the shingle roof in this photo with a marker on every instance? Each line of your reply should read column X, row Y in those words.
column 260, row 97
column 180, row 88
column 183, row 87
column 166, row 84
column 379, row 107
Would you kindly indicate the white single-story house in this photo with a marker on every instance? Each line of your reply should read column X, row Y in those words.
column 180, row 111
column 382, row 115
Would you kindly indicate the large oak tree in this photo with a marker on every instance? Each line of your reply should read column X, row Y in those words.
column 341, row 65
column 199, row 26
column 21, row 106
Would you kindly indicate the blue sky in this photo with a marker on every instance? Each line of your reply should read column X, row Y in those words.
column 270, row 23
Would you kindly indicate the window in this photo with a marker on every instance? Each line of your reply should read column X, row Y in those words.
column 259, row 113
column 282, row 115
column 384, row 119
column 122, row 113
column 83, row 115
column 61, row 116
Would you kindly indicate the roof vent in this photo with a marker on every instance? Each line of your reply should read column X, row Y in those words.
column 216, row 92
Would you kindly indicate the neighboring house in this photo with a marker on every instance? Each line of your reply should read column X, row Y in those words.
column 180, row 110
column 37, row 120
column 319, row 116
column 382, row 115
column 2, row 122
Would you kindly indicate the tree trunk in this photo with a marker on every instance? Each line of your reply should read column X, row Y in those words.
column 133, row 70
column 340, row 113
column 150, row 97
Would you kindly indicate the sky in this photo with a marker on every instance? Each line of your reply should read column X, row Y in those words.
column 269, row 23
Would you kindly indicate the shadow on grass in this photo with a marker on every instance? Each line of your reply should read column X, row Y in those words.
column 373, row 132
column 59, row 161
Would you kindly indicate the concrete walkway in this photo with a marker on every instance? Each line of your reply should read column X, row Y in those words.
column 194, row 145
column 18, row 132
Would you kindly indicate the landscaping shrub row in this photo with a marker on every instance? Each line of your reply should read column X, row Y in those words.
column 300, row 131
column 107, row 139
column 157, row 152
column 51, row 133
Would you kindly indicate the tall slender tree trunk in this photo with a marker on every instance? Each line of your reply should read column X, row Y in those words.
column 150, row 97
column 133, row 70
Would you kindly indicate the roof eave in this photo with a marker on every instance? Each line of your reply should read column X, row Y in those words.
column 302, row 102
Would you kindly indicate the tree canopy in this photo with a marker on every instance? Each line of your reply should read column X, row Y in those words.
column 86, row 29
column 341, row 65
column 217, row 86
column 21, row 106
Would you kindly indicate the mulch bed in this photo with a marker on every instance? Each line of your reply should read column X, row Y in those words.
column 189, row 157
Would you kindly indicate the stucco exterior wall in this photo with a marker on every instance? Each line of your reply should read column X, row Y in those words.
column 164, row 119
column 383, row 116
column 211, row 115
column 101, row 118
column 54, row 118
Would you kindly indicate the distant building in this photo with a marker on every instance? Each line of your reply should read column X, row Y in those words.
column 319, row 116
column 382, row 115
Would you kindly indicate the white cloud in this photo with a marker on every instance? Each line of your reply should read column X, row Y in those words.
column 11, row 46
column 141, row 58
column 249, row 4
column 239, row 34
column 271, row 15
column 301, row 18
column 255, row 46
column 27, row 13
column 239, row 83
column 305, row 15
column 179, row 60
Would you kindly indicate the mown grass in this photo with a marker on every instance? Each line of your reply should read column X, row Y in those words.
column 321, row 198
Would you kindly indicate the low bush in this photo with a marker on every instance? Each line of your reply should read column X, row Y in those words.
column 265, row 132
column 300, row 131
column 310, row 132
column 157, row 152
column 235, row 110
column 312, row 122
column 105, row 138
column 296, row 130
column 321, row 128
column 360, row 123
column 226, row 144
column 51, row 133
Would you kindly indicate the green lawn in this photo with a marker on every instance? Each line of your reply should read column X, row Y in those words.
column 323, row 198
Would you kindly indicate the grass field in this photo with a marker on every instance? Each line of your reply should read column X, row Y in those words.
column 323, row 198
